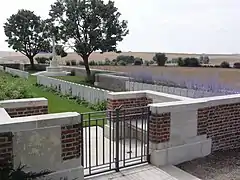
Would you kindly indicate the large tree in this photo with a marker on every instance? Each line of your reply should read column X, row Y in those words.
column 91, row 24
column 26, row 34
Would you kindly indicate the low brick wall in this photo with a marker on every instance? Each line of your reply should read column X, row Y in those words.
column 25, row 107
column 43, row 142
column 222, row 124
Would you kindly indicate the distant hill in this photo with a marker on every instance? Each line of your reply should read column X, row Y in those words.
column 13, row 57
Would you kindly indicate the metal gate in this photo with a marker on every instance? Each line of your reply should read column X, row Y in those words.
column 114, row 139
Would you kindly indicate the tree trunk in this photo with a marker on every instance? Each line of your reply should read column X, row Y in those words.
column 88, row 71
column 32, row 63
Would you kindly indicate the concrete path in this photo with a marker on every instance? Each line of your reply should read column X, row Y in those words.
column 144, row 172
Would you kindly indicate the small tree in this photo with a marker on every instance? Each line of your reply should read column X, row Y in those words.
column 225, row 64
column 25, row 34
column 91, row 24
column 160, row 59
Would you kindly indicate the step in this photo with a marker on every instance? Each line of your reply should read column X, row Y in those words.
column 178, row 173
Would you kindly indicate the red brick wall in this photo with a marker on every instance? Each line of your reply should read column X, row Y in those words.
column 159, row 127
column 131, row 108
column 71, row 141
column 27, row 111
column 222, row 124
column 6, row 151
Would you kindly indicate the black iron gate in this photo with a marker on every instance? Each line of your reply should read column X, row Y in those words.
column 114, row 139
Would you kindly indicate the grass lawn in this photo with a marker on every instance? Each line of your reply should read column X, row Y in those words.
column 74, row 79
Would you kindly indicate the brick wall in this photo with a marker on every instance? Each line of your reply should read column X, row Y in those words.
column 159, row 127
column 27, row 111
column 132, row 108
column 222, row 124
column 71, row 141
column 6, row 151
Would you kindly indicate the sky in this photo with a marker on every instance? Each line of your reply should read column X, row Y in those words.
column 190, row 26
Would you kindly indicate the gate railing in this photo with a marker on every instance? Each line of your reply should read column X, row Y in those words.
column 115, row 139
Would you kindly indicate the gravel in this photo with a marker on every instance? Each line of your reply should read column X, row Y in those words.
column 224, row 165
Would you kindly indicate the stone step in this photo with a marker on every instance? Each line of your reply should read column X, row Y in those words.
column 178, row 173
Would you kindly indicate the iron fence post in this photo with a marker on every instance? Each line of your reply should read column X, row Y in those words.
column 148, row 120
column 81, row 146
column 117, row 140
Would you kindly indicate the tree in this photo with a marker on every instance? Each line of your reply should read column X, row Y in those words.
column 25, row 34
column 160, row 59
column 91, row 24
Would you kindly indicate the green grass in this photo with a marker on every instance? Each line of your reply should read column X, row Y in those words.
column 74, row 79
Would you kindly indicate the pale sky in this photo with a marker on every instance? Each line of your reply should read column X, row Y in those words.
column 200, row 26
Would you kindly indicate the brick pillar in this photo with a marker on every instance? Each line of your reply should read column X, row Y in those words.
column 71, row 141
column 159, row 127
column 6, row 150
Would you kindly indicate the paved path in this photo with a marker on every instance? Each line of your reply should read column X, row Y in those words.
column 144, row 172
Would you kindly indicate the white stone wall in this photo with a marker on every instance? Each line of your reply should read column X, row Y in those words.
column 17, row 72
column 90, row 94
column 135, row 86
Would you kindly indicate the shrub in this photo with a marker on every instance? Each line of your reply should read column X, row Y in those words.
column 92, row 63
column 146, row 63
column 81, row 63
column 42, row 60
column 107, row 62
column 91, row 79
column 204, row 59
column 138, row 61
column 225, row 64
column 73, row 62
column 14, row 88
column 236, row 65
column 126, row 59
column 160, row 59
column 122, row 63
column 68, row 63
column 72, row 73
column 188, row 62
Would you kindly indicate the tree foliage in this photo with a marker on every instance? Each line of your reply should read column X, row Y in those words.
column 160, row 59
column 91, row 24
column 25, row 34
column 60, row 51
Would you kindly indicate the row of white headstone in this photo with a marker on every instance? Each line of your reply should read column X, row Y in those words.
column 136, row 86
column 15, row 72
column 90, row 94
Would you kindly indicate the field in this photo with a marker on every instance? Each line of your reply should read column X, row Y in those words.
column 227, row 76
column 96, row 56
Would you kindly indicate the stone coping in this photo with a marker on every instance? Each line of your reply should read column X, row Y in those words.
column 39, row 121
column 22, row 103
column 194, row 104
column 4, row 115
column 144, row 93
